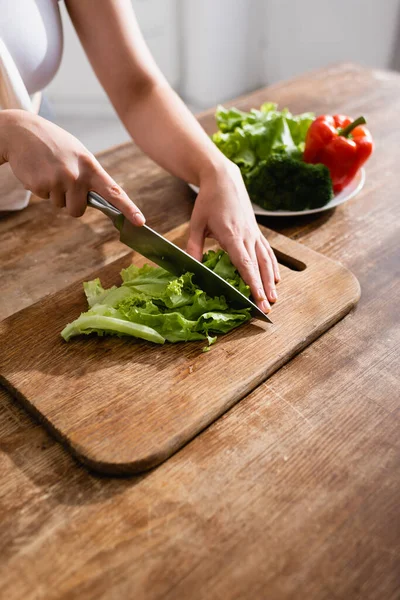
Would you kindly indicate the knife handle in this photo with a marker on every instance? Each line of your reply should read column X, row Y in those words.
column 96, row 201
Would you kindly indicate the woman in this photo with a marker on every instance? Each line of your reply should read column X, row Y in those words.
column 53, row 164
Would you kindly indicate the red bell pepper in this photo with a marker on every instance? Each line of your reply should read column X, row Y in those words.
column 339, row 143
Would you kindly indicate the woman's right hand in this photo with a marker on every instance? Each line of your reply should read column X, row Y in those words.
column 52, row 163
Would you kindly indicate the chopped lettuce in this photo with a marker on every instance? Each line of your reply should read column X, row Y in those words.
column 153, row 305
column 220, row 263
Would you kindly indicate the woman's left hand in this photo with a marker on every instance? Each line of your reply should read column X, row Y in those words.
column 223, row 211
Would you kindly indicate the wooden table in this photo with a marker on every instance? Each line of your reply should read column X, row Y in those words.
column 294, row 493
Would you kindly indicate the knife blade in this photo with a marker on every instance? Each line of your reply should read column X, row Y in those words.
column 170, row 257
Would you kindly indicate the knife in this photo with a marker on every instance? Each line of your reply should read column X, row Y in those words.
column 159, row 250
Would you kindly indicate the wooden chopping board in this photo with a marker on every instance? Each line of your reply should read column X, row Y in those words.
column 124, row 406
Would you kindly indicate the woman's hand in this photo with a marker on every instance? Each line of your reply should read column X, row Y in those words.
column 51, row 163
column 223, row 211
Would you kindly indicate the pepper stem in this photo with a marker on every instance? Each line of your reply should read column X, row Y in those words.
column 349, row 128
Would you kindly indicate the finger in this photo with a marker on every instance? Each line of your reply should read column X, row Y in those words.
column 76, row 201
column 274, row 260
column 57, row 198
column 266, row 271
column 245, row 265
column 263, row 264
column 104, row 185
column 195, row 243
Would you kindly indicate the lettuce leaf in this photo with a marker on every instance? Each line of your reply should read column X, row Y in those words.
column 247, row 138
column 153, row 305
column 219, row 262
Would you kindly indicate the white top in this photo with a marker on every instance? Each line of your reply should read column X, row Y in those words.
column 32, row 34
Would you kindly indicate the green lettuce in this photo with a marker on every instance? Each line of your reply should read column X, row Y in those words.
column 247, row 138
column 156, row 306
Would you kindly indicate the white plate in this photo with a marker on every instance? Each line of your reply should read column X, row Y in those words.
column 348, row 192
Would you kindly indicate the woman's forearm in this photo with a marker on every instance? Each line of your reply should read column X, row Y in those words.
column 154, row 115
column 165, row 129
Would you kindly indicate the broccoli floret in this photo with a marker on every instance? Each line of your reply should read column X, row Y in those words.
column 283, row 182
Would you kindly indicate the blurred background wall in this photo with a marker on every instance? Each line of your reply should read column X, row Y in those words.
column 214, row 50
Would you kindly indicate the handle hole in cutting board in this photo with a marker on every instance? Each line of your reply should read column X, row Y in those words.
column 289, row 261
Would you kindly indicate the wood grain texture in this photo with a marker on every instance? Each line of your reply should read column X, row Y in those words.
column 293, row 493
column 124, row 406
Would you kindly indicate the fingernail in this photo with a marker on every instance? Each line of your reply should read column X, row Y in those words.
column 260, row 294
column 139, row 218
column 274, row 295
column 265, row 306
